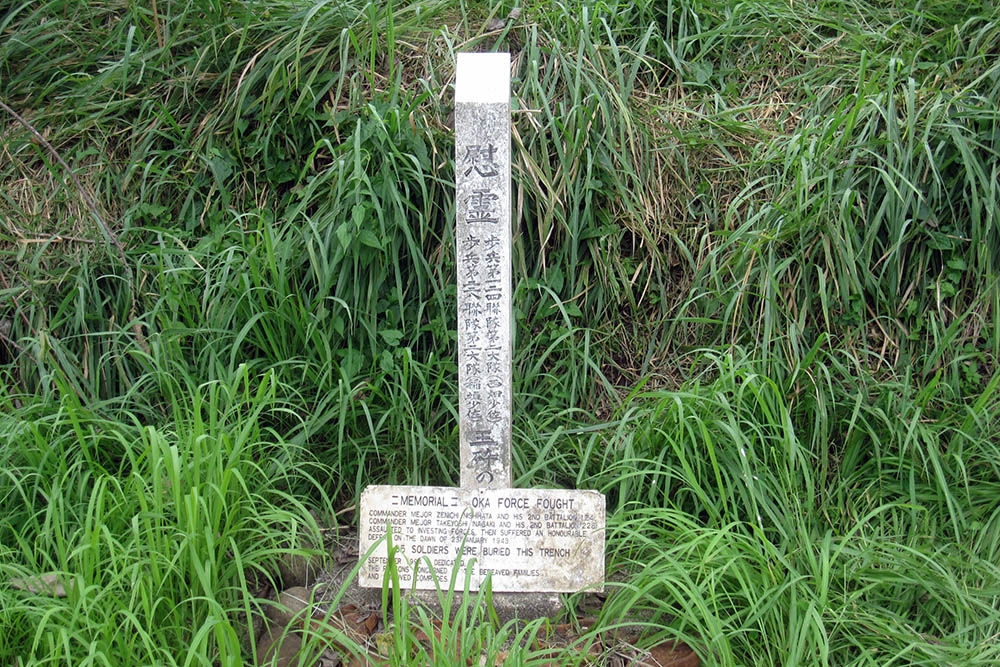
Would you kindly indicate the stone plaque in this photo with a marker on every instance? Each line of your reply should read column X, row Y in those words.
column 482, row 234
column 527, row 539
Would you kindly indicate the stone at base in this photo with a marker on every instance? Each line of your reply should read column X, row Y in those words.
column 290, row 606
column 276, row 647
column 523, row 606
column 508, row 606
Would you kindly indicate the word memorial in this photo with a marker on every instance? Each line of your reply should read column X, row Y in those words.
column 525, row 540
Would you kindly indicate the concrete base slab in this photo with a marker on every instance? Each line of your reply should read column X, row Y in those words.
column 508, row 606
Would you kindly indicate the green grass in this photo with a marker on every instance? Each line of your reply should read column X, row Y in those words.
column 756, row 263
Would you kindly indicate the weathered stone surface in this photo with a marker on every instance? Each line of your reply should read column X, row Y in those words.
column 298, row 567
column 290, row 605
column 526, row 606
column 44, row 584
column 528, row 539
column 276, row 647
column 507, row 606
column 483, row 237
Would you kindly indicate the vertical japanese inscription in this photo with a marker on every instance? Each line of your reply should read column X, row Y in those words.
column 483, row 237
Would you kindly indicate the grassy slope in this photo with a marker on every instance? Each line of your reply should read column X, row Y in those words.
column 756, row 285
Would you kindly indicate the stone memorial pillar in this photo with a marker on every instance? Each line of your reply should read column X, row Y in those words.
column 524, row 540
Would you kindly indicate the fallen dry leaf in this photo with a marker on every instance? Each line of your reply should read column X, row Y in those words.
column 668, row 654
column 359, row 621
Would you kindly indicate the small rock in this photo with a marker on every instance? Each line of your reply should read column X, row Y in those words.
column 43, row 584
column 290, row 605
column 278, row 646
column 298, row 569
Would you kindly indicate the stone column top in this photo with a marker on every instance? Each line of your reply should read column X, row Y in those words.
column 482, row 78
